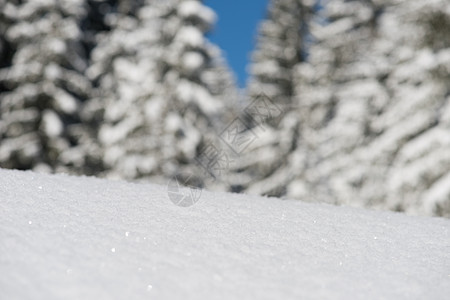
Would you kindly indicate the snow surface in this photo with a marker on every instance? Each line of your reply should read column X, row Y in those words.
column 64, row 237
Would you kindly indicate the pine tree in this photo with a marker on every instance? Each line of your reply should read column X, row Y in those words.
column 160, row 95
column 44, row 87
column 281, row 45
column 414, row 127
column 403, row 165
column 373, row 101
column 338, row 91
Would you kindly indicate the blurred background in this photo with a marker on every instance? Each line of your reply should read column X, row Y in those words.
column 337, row 101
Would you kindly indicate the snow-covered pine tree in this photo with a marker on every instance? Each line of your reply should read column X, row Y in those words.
column 281, row 45
column 338, row 92
column 377, row 133
column 198, row 104
column 87, row 155
column 414, row 132
column 44, row 86
column 123, row 67
column 160, row 95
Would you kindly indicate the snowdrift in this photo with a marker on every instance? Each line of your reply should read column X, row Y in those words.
column 65, row 237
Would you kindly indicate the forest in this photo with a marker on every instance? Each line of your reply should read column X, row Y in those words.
column 348, row 101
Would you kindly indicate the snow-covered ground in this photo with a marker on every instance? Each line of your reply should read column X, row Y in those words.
column 64, row 237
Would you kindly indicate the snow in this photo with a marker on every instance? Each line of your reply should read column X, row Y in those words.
column 195, row 9
column 52, row 124
column 190, row 36
column 192, row 61
column 64, row 237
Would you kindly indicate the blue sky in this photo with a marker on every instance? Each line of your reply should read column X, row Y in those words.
column 236, row 29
